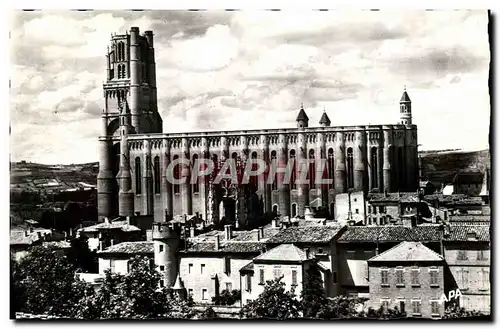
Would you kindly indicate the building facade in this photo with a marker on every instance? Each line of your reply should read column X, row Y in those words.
column 134, row 152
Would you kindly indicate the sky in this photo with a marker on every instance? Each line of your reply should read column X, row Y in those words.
column 240, row 70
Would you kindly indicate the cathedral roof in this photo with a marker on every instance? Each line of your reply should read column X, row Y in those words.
column 302, row 115
column 325, row 119
column 405, row 97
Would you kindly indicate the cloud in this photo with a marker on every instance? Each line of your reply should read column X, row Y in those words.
column 221, row 70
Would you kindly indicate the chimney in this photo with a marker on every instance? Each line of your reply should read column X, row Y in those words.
column 228, row 232
column 237, row 224
column 65, row 235
column 106, row 220
column 100, row 245
column 217, row 242
column 261, row 232
column 307, row 252
column 70, row 232
column 185, row 218
column 275, row 223
column 197, row 215
column 128, row 220
column 446, row 231
column 112, row 241
column 191, row 232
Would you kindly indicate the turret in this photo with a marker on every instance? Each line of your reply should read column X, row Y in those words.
column 325, row 120
column 405, row 109
column 125, row 194
column 302, row 119
column 166, row 241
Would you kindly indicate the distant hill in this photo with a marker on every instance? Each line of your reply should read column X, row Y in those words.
column 440, row 167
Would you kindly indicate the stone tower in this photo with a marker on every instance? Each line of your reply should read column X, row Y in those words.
column 405, row 109
column 130, row 80
column 166, row 241
column 302, row 119
column 325, row 120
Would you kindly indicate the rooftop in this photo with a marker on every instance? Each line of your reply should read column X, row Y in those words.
column 404, row 197
column 390, row 233
column 226, row 247
column 284, row 252
column 461, row 233
column 27, row 237
column 133, row 248
column 123, row 225
column 408, row 251
column 306, row 234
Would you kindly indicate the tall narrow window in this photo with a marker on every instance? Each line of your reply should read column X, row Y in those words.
column 433, row 272
column 293, row 176
column 229, row 286
column 121, row 51
column 294, row 210
column 190, row 268
column 414, row 276
column 196, row 185
column 435, row 307
column 202, row 268
column 415, row 307
column 249, row 282
column 350, row 168
column 119, row 71
column 462, row 255
column 399, row 277
column 274, row 185
column 261, row 276
column 374, row 167
column 294, row 277
column 312, row 170
column 177, row 175
column 112, row 265
column 384, row 276
column 157, row 174
column 204, row 294
column 331, row 169
column 254, row 178
column 138, row 181
column 401, row 168
column 485, row 279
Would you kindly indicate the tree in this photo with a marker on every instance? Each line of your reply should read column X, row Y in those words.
column 341, row 307
column 208, row 314
column 227, row 297
column 455, row 312
column 273, row 303
column 46, row 279
column 81, row 257
column 313, row 296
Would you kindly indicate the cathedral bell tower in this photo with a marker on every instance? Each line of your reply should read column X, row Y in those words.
column 131, row 87
column 405, row 109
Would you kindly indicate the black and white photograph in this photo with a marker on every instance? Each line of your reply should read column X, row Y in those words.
column 235, row 165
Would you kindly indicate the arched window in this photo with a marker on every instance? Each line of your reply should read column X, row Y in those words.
column 312, row 170
column 196, row 185
column 274, row 184
column 294, row 209
column 350, row 169
column 331, row 168
column 121, row 51
column 293, row 176
column 275, row 209
column 374, row 167
column 124, row 71
column 119, row 71
column 401, row 168
column 156, row 169
column 254, row 178
column 138, row 181
column 177, row 175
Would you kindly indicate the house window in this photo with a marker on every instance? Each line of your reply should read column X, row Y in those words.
column 202, row 268
column 462, row 255
column 162, row 283
column 433, row 272
column 414, row 277
column 249, row 283
column 204, row 294
column 374, row 210
column 435, row 307
column 112, row 265
column 481, row 255
column 261, row 276
column 320, row 251
column 485, row 279
column 382, row 209
column 278, row 273
column 294, row 277
column 415, row 305
column 399, row 277
column 229, row 286
column 384, row 277
column 227, row 265
column 385, row 303
column 355, row 200
column 161, row 248
column 190, row 268
column 162, row 268
column 369, row 209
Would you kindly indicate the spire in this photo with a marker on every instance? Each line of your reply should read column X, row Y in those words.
column 302, row 114
column 405, row 98
column 325, row 120
column 179, row 285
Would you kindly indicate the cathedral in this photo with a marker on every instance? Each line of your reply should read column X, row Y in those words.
column 134, row 153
